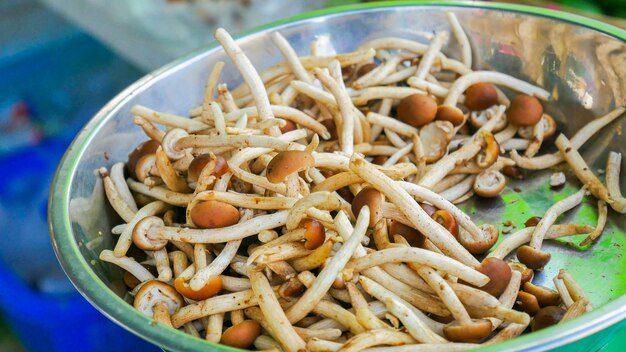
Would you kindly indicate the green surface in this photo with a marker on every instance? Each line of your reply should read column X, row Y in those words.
column 8, row 341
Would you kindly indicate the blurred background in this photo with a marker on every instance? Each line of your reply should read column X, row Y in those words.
column 60, row 61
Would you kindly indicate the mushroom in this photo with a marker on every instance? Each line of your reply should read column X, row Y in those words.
column 448, row 221
column 417, row 110
column 435, row 137
column 451, row 114
column 525, row 110
column 140, row 234
column 527, row 273
column 211, row 214
column 489, row 183
column 533, row 258
column 546, row 317
column 544, row 295
column 373, row 199
column 489, row 154
column 487, row 237
column 241, row 335
column 331, row 127
column 146, row 167
column 480, row 96
column 479, row 118
column 549, row 128
column 288, row 162
column 315, row 233
column 210, row 289
column 169, row 141
column 158, row 300
column 365, row 69
column 473, row 333
column 198, row 163
column 147, row 147
column 527, row 302
column 412, row 236
column 557, row 179
column 289, row 126
column 499, row 274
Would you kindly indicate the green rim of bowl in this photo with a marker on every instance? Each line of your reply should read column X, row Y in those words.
column 94, row 290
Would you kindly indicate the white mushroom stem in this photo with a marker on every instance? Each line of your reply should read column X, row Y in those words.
column 363, row 96
column 339, row 314
column 218, row 118
column 432, row 88
column 461, row 37
column 226, row 99
column 321, row 200
column 207, row 141
column 573, row 288
column 125, row 240
column 509, row 295
column 563, row 292
column 613, row 166
column 395, row 157
column 328, row 275
column 412, row 211
column 577, row 141
column 434, row 48
column 602, row 217
column 170, row 177
column 363, row 314
column 214, row 327
column 338, row 90
column 117, row 176
column 115, row 198
column 129, row 264
column 537, row 139
column 279, row 326
column 249, row 74
column 161, row 193
column 149, row 129
column 381, row 72
column 455, row 192
column 393, row 124
column 446, row 294
column 442, row 168
column 422, row 257
column 552, row 213
column 376, row 337
column 465, row 81
column 214, row 305
column 217, row 266
column 401, row 309
column 224, row 234
column 291, row 57
column 286, row 113
column 211, row 83
column 314, row 93
column 162, row 262
column 517, row 239
column 167, row 119
column 509, row 332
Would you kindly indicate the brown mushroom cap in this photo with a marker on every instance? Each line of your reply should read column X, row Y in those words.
column 473, row 333
column 147, row 147
column 545, row 296
column 331, row 127
column 480, row 96
column 145, row 167
column 546, row 317
column 210, row 289
column 525, row 110
column 532, row 221
column 241, row 335
column 428, row 208
column 450, row 113
column 315, row 233
column 154, row 291
column 365, row 69
column 527, row 273
column 499, row 274
column 286, row 163
column 445, row 219
column 527, row 302
column 289, row 126
column 414, row 237
column 373, row 199
column 140, row 234
column 489, row 183
column 211, row 214
column 533, row 258
column 435, row 137
column 417, row 110
column 199, row 162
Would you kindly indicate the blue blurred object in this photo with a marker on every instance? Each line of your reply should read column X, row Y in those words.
column 54, row 78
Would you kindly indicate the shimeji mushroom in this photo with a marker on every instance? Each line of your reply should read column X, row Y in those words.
column 532, row 255
column 211, row 214
column 545, row 296
column 547, row 317
column 489, row 183
column 241, row 335
column 479, row 118
column 525, row 110
column 158, row 300
column 417, row 110
column 286, row 165
column 480, row 96
column 145, row 148
column 435, row 137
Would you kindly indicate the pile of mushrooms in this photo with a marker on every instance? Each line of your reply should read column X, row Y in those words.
column 314, row 206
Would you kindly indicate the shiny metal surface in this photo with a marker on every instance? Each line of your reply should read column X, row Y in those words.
column 583, row 68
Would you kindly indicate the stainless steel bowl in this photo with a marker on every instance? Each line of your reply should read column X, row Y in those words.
column 581, row 61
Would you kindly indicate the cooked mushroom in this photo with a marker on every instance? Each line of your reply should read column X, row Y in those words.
column 241, row 335
column 533, row 258
column 547, row 317
column 413, row 237
column 451, row 114
column 158, row 300
column 140, row 234
column 527, row 273
column 210, row 289
column 479, row 118
column 315, row 233
column 445, row 219
column 373, row 199
column 525, row 110
column 545, row 296
column 473, row 333
column 549, row 128
column 146, row 166
column 489, row 154
column 211, row 214
column 435, row 137
column 499, row 274
column 199, row 162
column 169, row 141
column 489, row 183
column 480, row 96
column 286, row 163
column 417, row 110
column 145, row 148
column 527, row 302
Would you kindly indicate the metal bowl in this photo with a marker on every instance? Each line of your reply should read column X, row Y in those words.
column 579, row 60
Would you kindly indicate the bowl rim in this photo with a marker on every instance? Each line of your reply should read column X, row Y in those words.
column 108, row 303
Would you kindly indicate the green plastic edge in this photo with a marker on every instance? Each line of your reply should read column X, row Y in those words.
column 58, row 216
